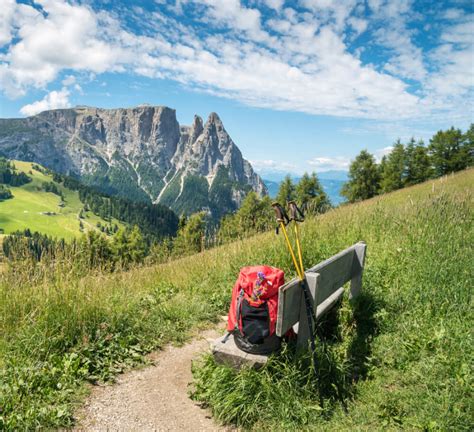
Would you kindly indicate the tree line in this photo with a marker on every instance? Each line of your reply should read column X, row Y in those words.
column 448, row 151
column 9, row 177
column 197, row 232
column 92, row 250
column 155, row 221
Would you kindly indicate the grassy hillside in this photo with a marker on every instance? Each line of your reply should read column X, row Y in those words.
column 400, row 358
column 33, row 208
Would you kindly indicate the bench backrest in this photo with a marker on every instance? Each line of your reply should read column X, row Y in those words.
column 325, row 281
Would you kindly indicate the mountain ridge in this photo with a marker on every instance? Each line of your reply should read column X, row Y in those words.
column 141, row 153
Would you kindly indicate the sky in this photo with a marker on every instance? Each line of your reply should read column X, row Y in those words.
column 300, row 85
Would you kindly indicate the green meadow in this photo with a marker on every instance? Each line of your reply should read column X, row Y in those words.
column 399, row 358
column 30, row 206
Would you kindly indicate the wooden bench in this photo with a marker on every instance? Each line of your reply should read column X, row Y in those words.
column 325, row 280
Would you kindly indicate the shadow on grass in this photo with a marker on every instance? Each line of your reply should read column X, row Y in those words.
column 337, row 376
column 338, row 372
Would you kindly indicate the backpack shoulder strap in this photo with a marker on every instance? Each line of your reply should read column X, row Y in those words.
column 238, row 310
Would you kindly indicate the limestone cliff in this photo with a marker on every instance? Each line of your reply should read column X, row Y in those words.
column 142, row 153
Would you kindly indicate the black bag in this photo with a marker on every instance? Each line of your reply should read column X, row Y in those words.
column 255, row 335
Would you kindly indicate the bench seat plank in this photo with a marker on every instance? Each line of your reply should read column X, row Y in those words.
column 332, row 273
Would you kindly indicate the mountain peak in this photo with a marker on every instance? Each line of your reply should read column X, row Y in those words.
column 214, row 118
column 140, row 152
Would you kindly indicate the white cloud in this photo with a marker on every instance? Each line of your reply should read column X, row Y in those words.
column 78, row 88
column 322, row 164
column 380, row 153
column 270, row 165
column 68, row 37
column 454, row 59
column 407, row 60
column 235, row 15
column 274, row 4
column 53, row 100
column 69, row 80
column 453, row 14
column 6, row 17
column 299, row 60
column 358, row 24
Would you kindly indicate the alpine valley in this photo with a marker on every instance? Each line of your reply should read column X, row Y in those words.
column 140, row 153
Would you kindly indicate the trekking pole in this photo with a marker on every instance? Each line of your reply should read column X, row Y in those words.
column 283, row 220
column 296, row 215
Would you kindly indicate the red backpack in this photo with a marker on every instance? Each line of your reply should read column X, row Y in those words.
column 253, row 309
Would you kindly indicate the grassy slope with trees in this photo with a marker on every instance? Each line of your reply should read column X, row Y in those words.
column 448, row 151
column 48, row 214
column 399, row 358
column 62, row 207
column 32, row 207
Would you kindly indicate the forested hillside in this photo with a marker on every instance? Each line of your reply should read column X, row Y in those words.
column 60, row 206
column 448, row 151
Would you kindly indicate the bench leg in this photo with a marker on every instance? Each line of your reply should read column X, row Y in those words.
column 357, row 269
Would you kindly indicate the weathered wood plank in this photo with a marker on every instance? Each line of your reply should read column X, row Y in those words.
column 289, row 301
column 332, row 273
column 327, row 304
column 357, row 269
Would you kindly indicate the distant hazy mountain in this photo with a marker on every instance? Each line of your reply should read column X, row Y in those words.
column 334, row 175
column 141, row 153
column 331, row 186
column 278, row 176
column 272, row 187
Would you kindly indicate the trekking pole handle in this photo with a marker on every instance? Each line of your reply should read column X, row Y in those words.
column 295, row 213
column 280, row 213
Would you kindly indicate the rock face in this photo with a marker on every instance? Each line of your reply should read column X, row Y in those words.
column 141, row 153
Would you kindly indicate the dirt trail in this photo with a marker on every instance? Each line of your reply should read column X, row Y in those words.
column 154, row 398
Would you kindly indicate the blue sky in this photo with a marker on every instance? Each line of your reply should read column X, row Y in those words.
column 300, row 85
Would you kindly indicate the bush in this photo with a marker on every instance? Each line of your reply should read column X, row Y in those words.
column 5, row 193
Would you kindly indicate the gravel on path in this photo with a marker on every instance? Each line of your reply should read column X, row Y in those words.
column 154, row 398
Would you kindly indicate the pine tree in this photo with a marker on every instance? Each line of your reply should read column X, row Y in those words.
column 5, row 193
column 182, row 222
column 448, row 152
column 120, row 245
column 418, row 166
column 392, row 174
column 311, row 196
column 287, row 191
column 255, row 215
column 468, row 146
column 136, row 245
column 363, row 178
column 190, row 238
column 95, row 250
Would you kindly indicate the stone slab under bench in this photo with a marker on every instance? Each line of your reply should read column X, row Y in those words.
column 225, row 351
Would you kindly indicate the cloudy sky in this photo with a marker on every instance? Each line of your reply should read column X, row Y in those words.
column 299, row 85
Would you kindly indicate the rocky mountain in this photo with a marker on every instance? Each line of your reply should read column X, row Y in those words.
column 141, row 153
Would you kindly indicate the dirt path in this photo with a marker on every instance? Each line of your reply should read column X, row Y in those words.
column 154, row 398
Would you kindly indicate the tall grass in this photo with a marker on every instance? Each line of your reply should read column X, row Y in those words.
column 401, row 359
column 401, row 356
